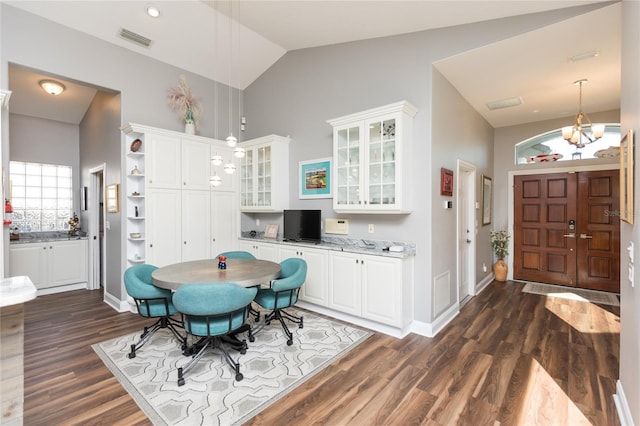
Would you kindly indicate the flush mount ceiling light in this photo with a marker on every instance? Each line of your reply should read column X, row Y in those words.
column 153, row 11
column 52, row 87
column 577, row 134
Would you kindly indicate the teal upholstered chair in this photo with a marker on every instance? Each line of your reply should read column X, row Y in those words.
column 239, row 254
column 282, row 294
column 151, row 302
column 212, row 311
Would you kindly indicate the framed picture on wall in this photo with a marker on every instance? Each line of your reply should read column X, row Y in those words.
column 626, row 177
column 315, row 178
column 446, row 182
column 487, row 194
column 112, row 198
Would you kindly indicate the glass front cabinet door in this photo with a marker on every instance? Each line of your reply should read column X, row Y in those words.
column 372, row 160
column 264, row 174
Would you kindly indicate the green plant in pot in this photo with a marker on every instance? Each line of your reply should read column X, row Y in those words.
column 500, row 245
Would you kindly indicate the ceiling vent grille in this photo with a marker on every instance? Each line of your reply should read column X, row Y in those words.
column 505, row 103
column 135, row 38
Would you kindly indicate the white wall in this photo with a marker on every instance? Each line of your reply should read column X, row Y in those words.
column 629, row 384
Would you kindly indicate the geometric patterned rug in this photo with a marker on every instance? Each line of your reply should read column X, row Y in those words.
column 210, row 395
column 593, row 296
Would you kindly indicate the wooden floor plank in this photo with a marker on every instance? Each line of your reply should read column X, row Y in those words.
column 508, row 358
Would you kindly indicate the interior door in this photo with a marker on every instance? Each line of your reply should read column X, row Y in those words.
column 544, row 241
column 566, row 230
column 598, row 233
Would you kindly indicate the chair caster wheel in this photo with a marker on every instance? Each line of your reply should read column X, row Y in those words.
column 267, row 322
column 252, row 339
column 243, row 351
column 289, row 342
column 131, row 356
column 180, row 382
column 300, row 325
column 239, row 377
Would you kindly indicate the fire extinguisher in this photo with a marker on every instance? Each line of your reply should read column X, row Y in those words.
column 8, row 209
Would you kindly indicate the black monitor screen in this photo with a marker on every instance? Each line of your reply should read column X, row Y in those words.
column 302, row 225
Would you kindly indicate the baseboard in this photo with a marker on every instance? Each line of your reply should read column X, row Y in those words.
column 117, row 304
column 484, row 283
column 622, row 406
column 61, row 288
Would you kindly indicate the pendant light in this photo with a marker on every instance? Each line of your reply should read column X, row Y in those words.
column 577, row 134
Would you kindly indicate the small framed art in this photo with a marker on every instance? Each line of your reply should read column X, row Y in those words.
column 315, row 178
column 271, row 231
column 446, row 182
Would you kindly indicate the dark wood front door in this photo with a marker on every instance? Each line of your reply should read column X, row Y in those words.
column 567, row 230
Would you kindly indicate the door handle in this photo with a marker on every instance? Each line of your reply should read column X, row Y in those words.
column 572, row 235
column 468, row 241
column 585, row 236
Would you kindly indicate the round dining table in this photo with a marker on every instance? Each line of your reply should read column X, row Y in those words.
column 244, row 272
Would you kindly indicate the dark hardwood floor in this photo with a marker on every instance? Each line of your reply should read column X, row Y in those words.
column 509, row 358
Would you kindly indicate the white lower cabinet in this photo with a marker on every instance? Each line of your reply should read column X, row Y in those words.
column 372, row 287
column 315, row 286
column 50, row 264
column 264, row 251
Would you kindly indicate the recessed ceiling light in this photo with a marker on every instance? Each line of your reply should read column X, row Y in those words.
column 52, row 87
column 153, row 11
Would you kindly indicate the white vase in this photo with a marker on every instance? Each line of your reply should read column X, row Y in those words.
column 190, row 128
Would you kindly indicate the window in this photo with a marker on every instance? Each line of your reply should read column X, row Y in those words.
column 41, row 195
column 550, row 146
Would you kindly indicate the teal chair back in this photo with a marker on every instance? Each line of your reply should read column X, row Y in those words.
column 237, row 255
column 213, row 309
column 284, row 290
column 151, row 301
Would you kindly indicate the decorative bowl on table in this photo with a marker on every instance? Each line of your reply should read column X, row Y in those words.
column 135, row 235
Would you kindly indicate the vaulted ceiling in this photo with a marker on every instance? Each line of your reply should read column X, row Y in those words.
column 254, row 34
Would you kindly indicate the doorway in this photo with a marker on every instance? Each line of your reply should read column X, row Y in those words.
column 97, row 249
column 466, row 195
column 566, row 230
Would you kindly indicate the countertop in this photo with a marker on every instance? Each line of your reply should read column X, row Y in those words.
column 376, row 248
column 15, row 290
column 40, row 237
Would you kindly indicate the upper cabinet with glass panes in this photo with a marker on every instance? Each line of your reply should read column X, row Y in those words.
column 371, row 160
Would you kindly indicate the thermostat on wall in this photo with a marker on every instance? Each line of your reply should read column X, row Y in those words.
column 336, row 226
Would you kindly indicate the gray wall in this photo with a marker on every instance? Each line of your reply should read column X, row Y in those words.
column 309, row 86
column 630, row 296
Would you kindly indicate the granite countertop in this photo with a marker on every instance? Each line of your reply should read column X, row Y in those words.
column 372, row 247
column 15, row 290
column 39, row 237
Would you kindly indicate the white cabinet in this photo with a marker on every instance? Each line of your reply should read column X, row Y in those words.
column 264, row 174
column 51, row 264
column 265, row 251
column 372, row 287
column 372, row 160
column 315, row 288
column 172, row 209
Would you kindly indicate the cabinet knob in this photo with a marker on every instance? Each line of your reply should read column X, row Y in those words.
column 185, row 242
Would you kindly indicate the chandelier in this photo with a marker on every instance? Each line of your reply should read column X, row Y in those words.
column 577, row 134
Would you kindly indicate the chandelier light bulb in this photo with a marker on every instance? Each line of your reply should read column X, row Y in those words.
column 239, row 152
column 232, row 140
column 229, row 168
column 216, row 160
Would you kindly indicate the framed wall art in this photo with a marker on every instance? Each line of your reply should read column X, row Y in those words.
column 446, row 182
column 315, row 178
column 626, row 177
column 271, row 231
column 112, row 198
column 487, row 194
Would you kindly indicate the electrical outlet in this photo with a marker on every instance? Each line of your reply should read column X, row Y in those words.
column 257, row 222
column 371, row 228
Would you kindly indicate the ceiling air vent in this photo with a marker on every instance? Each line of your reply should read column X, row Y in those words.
column 505, row 103
column 135, row 38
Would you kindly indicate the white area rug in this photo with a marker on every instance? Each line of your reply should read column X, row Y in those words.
column 210, row 395
column 593, row 296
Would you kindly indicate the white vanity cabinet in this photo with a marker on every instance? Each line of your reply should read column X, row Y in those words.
column 315, row 287
column 264, row 251
column 372, row 287
column 372, row 160
column 51, row 264
column 264, row 174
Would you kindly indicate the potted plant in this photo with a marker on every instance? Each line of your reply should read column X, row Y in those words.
column 500, row 245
